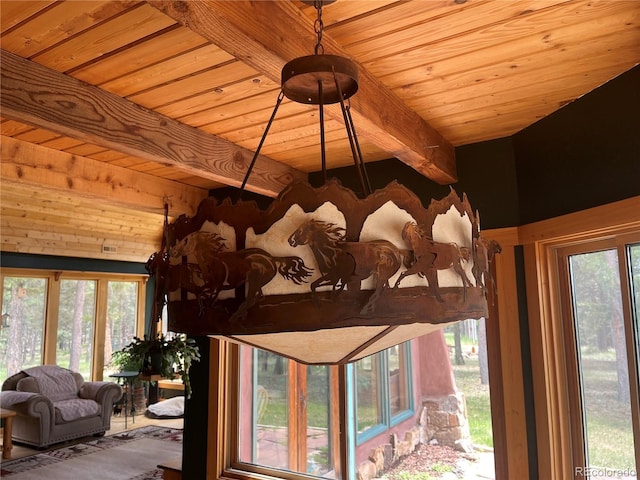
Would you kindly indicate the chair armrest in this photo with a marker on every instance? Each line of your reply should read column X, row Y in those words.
column 101, row 392
column 27, row 403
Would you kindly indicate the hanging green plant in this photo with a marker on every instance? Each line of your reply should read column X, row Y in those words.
column 163, row 355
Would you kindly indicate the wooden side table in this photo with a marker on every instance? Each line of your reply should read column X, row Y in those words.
column 172, row 469
column 7, row 445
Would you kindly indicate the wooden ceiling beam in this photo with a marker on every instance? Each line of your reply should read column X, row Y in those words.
column 35, row 166
column 39, row 96
column 266, row 35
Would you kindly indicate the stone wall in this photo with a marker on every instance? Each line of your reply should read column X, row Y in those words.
column 443, row 421
column 384, row 456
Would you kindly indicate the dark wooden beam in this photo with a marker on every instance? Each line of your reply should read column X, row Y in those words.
column 266, row 35
column 39, row 96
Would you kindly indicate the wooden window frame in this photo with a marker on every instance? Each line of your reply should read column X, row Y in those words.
column 551, row 380
column 576, row 412
column 52, row 308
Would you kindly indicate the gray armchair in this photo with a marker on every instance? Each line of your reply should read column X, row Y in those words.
column 54, row 404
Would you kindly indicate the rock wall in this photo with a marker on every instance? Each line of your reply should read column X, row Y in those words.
column 443, row 421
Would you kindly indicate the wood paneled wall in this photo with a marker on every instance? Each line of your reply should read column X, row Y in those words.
column 31, row 223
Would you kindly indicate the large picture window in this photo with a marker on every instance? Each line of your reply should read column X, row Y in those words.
column 69, row 319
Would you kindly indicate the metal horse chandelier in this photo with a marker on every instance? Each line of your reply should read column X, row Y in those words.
column 322, row 276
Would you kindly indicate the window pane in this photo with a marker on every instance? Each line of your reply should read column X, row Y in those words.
column 602, row 361
column 264, row 416
column 23, row 315
column 319, row 461
column 75, row 325
column 121, row 321
column 398, row 379
column 368, row 393
column 280, row 399
column 634, row 261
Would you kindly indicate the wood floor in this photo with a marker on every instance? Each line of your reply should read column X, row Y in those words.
column 117, row 426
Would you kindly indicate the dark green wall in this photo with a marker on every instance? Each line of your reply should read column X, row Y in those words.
column 50, row 262
column 584, row 155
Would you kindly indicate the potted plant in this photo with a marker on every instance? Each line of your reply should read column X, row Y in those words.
column 163, row 355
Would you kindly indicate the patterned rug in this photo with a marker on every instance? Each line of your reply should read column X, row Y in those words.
column 131, row 455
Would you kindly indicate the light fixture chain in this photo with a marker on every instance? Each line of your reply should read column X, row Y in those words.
column 318, row 27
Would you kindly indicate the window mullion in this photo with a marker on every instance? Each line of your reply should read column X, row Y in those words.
column 292, row 414
column 51, row 320
column 99, row 329
column 383, row 397
column 301, row 417
column 632, row 332
column 347, row 374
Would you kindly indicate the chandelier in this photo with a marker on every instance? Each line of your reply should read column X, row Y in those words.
column 323, row 276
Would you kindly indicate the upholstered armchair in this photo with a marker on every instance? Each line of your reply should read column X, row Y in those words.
column 54, row 404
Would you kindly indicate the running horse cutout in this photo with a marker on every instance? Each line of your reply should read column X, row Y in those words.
column 343, row 263
column 483, row 251
column 228, row 270
column 431, row 256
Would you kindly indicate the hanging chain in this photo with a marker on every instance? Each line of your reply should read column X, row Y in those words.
column 318, row 27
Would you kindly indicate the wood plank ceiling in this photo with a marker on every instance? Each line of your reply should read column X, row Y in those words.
column 111, row 107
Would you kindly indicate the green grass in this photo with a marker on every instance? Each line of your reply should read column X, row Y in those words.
column 478, row 404
column 609, row 431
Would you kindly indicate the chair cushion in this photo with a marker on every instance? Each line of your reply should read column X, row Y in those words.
column 75, row 408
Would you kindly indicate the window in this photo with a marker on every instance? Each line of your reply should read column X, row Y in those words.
column 85, row 316
column 121, row 321
column 289, row 413
column 602, row 280
column 286, row 404
column 23, row 318
column 383, row 390
column 245, row 384
column 76, row 321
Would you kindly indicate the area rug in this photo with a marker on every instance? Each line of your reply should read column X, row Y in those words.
column 131, row 455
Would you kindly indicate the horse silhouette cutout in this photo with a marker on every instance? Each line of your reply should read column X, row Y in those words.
column 345, row 264
column 171, row 277
column 227, row 270
column 483, row 252
column 431, row 256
